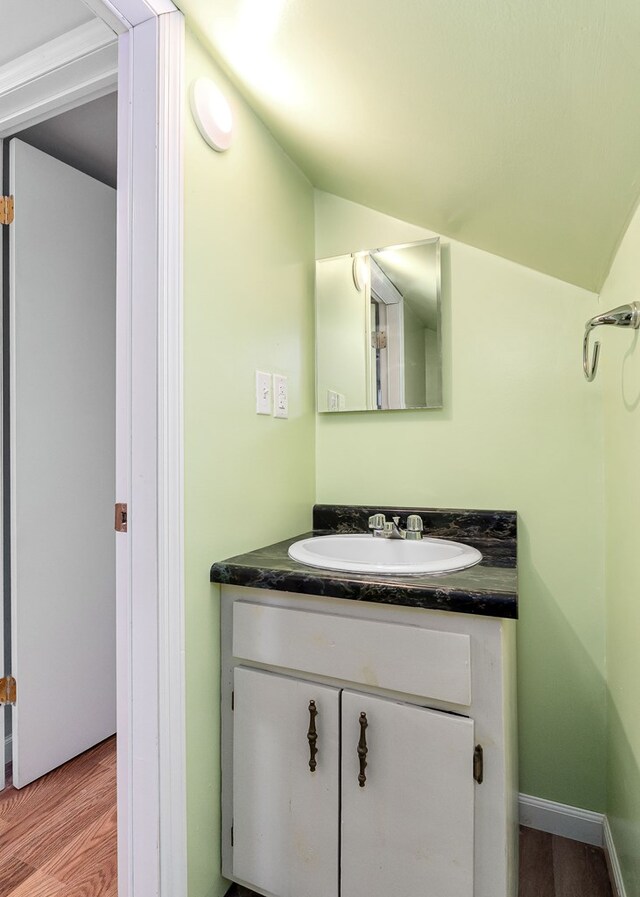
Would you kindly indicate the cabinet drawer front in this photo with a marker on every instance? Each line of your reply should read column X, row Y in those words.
column 408, row 659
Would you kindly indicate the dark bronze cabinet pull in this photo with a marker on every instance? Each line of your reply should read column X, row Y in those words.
column 312, row 736
column 362, row 749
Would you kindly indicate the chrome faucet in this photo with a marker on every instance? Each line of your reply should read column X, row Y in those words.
column 390, row 529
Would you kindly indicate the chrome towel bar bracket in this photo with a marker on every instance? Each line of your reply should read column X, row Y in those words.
column 623, row 316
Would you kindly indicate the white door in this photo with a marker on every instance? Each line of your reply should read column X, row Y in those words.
column 62, row 460
column 408, row 829
column 285, row 814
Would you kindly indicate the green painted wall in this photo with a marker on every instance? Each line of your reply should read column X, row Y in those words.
column 249, row 480
column 521, row 429
column 620, row 375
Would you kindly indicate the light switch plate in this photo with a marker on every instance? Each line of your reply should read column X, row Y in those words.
column 280, row 396
column 263, row 393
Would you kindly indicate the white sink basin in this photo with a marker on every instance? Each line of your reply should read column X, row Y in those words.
column 364, row 553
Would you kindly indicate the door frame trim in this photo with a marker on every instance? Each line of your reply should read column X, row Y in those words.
column 74, row 68
column 149, row 432
column 149, row 475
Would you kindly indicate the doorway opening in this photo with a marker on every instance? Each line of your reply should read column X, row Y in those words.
column 59, row 408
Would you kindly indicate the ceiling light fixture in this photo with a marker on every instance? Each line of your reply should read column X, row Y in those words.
column 212, row 114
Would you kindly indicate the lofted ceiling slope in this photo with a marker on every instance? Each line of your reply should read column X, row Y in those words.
column 510, row 125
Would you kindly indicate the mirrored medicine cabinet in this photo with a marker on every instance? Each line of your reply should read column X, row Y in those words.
column 378, row 329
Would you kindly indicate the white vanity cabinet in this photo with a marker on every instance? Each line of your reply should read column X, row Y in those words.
column 352, row 734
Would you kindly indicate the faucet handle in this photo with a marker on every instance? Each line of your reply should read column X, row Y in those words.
column 377, row 522
column 415, row 526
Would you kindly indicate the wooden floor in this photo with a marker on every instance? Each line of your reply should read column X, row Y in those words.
column 58, row 835
column 550, row 866
column 58, row 839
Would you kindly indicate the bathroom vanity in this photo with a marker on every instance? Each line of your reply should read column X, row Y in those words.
column 368, row 723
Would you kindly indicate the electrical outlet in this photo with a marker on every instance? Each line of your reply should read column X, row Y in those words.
column 263, row 393
column 281, row 396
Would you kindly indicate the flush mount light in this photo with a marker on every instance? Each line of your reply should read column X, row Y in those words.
column 212, row 114
column 360, row 271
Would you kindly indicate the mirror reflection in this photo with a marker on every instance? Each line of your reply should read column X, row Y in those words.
column 378, row 339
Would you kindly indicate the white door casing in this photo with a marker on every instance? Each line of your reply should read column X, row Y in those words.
column 149, row 456
column 62, row 461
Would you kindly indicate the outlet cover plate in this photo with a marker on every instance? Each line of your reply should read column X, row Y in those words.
column 280, row 396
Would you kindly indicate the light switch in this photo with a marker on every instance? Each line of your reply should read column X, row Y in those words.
column 280, row 396
column 263, row 393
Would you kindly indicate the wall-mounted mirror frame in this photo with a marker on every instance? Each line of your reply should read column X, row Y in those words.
column 379, row 329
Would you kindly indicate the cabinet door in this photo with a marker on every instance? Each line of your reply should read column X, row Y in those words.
column 409, row 829
column 285, row 816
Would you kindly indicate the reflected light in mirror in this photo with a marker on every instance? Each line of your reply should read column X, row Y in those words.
column 393, row 256
column 400, row 261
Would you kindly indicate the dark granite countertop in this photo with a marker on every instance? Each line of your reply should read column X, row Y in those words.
column 488, row 589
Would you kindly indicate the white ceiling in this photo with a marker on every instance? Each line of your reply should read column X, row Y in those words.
column 26, row 24
column 512, row 125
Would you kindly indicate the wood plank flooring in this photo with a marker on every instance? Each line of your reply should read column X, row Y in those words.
column 58, row 839
column 58, row 835
column 550, row 866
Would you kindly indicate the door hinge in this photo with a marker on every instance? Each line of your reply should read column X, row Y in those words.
column 6, row 210
column 379, row 339
column 121, row 518
column 478, row 764
column 7, row 690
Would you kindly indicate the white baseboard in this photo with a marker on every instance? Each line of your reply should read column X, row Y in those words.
column 560, row 819
column 615, row 873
